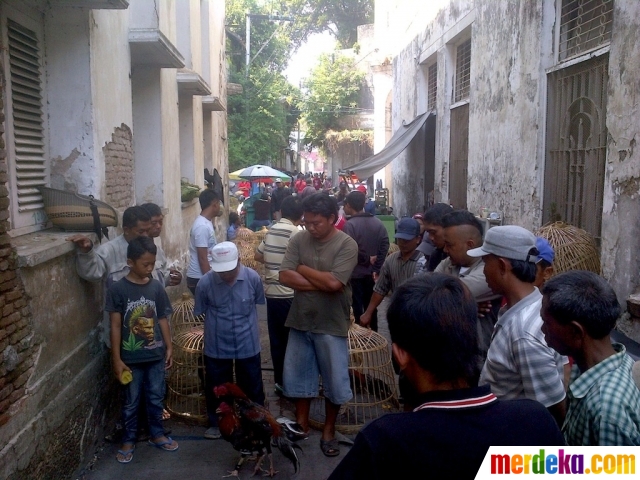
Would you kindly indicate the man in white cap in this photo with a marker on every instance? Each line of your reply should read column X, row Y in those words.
column 227, row 296
column 519, row 362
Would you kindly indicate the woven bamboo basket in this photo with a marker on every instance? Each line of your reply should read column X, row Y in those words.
column 247, row 241
column 246, row 235
column 72, row 211
column 373, row 383
column 574, row 248
column 260, row 234
column 186, row 378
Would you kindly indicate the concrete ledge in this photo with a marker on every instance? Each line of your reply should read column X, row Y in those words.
column 93, row 4
column 151, row 48
column 39, row 247
column 212, row 104
column 191, row 83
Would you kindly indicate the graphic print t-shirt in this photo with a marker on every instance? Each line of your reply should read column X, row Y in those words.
column 139, row 306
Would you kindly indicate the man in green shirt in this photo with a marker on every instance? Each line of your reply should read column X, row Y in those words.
column 317, row 266
column 579, row 310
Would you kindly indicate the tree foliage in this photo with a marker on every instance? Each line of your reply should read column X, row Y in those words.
column 262, row 117
column 333, row 92
column 259, row 119
column 341, row 18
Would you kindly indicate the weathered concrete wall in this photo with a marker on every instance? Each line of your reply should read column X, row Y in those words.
column 52, row 373
column 110, row 82
column 512, row 50
column 56, row 387
column 66, row 397
column 505, row 167
column 68, row 75
column 621, row 210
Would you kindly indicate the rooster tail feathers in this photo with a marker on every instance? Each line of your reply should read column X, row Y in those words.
column 288, row 449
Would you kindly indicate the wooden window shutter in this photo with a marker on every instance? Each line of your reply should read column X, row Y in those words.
column 28, row 128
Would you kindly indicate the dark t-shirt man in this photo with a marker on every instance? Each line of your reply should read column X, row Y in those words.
column 262, row 209
column 139, row 306
column 446, row 437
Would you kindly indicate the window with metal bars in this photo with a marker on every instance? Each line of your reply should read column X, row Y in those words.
column 463, row 71
column 584, row 25
column 27, row 125
column 432, row 86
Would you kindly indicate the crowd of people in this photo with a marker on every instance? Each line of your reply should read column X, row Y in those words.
column 490, row 347
column 268, row 197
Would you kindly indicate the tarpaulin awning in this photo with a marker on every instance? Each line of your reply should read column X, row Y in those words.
column 399, row 141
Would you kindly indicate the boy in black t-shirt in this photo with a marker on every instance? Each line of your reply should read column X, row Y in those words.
column 141, row 344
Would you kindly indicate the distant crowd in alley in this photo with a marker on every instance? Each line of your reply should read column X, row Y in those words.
column 491, row 347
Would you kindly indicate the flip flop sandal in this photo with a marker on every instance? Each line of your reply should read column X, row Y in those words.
column 330, row 448
column 127, row 455
column 166, row 445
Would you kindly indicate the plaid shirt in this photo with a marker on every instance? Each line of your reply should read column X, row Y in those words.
column 604, row 404
column 519, row 362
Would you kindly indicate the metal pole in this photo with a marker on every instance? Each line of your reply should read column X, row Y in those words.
column 248, row 44
column 299, row 159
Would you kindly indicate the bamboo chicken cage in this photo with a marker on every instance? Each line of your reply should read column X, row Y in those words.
column 186, row 378
column 247, row 242
column 574, row 248
column 373, row 383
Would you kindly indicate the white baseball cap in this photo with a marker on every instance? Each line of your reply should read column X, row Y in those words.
column 224, row 256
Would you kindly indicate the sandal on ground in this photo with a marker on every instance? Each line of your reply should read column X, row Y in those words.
column 125, row 456
column 330, row 448
column 168, row 445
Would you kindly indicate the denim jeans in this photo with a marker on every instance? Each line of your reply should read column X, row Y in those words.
column 148, row 376
column 277, row 312
column 220, row 370
column 312, row 354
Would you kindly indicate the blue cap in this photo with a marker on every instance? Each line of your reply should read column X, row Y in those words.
column 545, row 250
column 408, row 229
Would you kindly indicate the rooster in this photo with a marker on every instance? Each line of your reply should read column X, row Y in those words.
column 250, row 428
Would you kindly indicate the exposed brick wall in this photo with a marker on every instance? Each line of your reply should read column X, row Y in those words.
column 118, row 160
column 18, row 344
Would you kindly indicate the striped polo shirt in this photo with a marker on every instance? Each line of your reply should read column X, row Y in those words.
column 273, row 248
column 395, row 271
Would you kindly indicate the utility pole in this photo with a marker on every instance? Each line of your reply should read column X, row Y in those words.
column 299, row 158
column 257, row 16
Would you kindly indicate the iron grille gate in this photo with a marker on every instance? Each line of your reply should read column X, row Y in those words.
column 576, row 145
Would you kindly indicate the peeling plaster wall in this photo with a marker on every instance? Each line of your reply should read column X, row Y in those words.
column 512, row 50
column 621, row 210
column 70, row 106
column 409, row 93
column 110, row 81
column 505, row 170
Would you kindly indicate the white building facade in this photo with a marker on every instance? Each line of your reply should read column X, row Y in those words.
column 118, row 99
column 535, row 114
